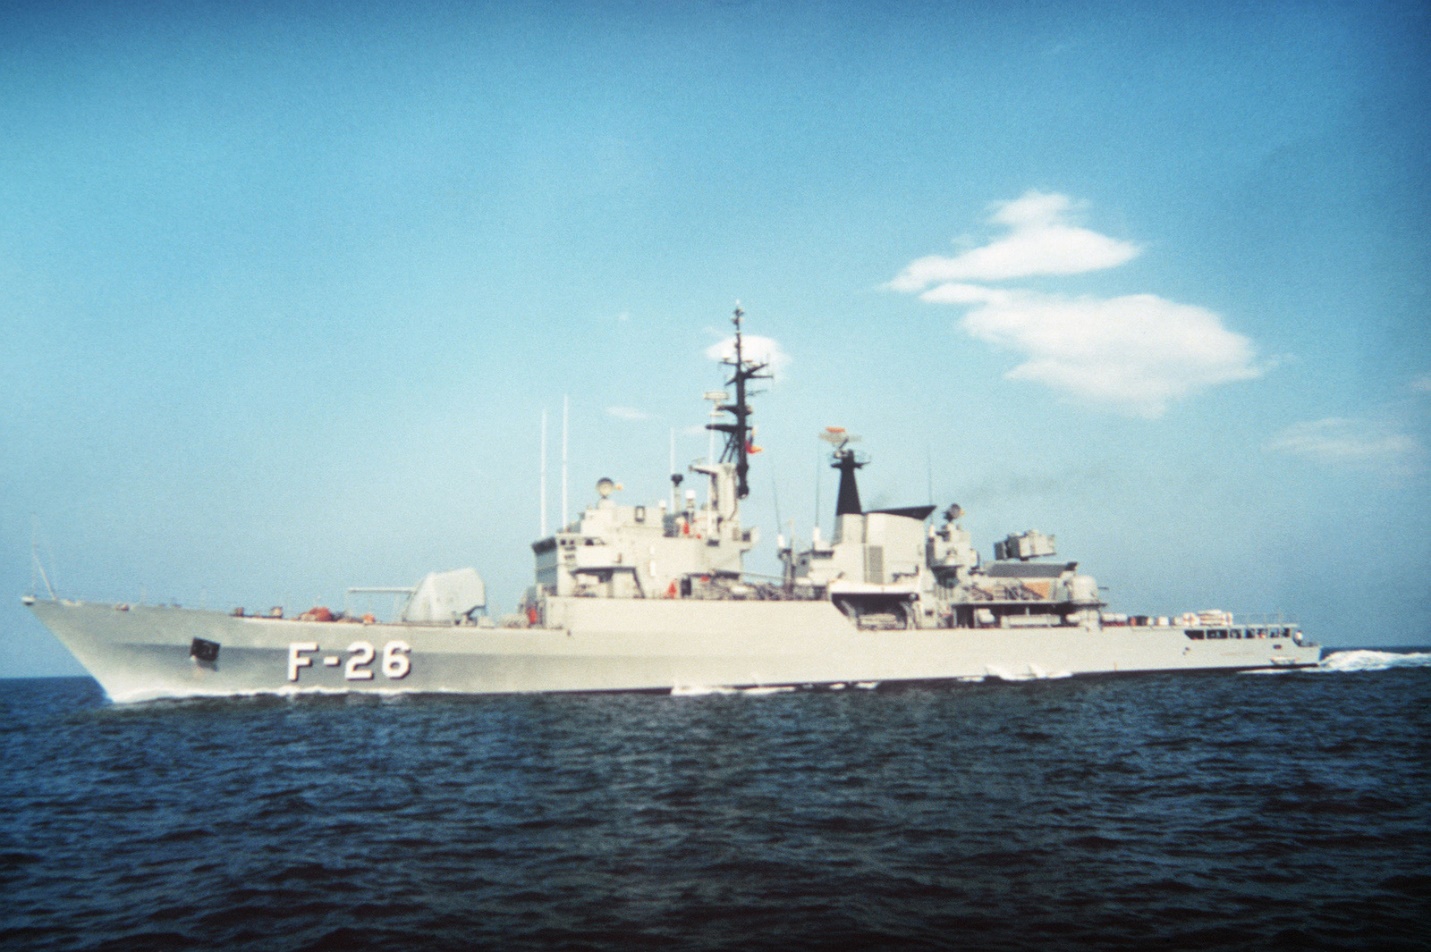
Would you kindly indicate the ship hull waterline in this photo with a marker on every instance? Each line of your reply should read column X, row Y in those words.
column 591, row 645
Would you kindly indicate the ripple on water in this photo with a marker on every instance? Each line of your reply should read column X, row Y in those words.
column 1077, row 813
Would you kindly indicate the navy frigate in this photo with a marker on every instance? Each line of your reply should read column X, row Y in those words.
column 656, row 598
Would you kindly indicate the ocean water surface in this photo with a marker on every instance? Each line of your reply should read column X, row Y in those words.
column 1290, row 810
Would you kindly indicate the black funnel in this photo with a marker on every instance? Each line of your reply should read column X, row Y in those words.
column 848, row 503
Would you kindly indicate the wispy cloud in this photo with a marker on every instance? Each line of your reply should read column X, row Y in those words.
column 627, row 413
column 1040, row 242
column 754, row 347
column 1134, row 354
column 1421, row 384
column 1343, row 441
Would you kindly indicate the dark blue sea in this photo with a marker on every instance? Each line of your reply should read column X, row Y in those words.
column 1205, row 811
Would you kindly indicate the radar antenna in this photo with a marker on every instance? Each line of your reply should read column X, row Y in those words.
column 739, row 432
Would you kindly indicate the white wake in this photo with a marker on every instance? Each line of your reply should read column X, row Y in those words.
column 1367, row 660
column 705, row 690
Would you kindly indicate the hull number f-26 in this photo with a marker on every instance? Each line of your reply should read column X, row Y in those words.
column 396, row 662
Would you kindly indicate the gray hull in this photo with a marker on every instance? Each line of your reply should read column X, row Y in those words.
column 146, row 652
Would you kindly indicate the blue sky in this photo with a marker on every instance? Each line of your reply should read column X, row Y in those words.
column 284, row 289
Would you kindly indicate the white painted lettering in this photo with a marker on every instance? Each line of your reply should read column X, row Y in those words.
column 396, row 663
column 298, row 657
column 363, row 655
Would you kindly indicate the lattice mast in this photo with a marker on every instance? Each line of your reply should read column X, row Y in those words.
column 739, row 432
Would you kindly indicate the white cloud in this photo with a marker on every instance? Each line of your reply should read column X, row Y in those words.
column 1348, row 442
column 627, row 413
column 754, row 347
column 1133, row 354
column 1040, row 242
column 1421, row 384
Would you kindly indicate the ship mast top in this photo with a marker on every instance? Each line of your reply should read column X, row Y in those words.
column 739, row 430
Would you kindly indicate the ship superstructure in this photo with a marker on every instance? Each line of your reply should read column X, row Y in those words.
column 676, row 550
column 655, row 597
